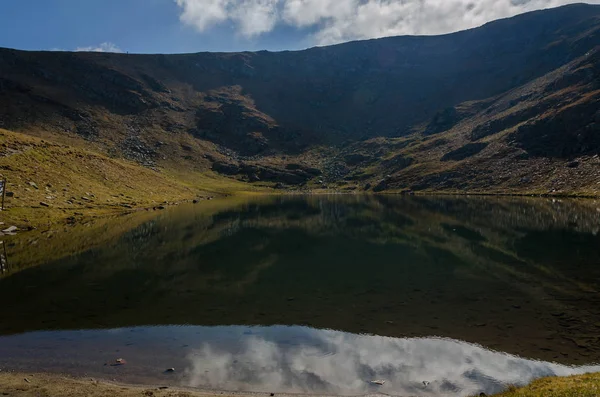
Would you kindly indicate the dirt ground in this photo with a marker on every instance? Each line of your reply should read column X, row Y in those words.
column 42, row 385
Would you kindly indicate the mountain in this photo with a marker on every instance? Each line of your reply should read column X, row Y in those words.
column 510, row 107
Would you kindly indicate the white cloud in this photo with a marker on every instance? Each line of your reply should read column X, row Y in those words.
column 252, row 17
column 104, row 47
column 256, row 17
column 341, row 20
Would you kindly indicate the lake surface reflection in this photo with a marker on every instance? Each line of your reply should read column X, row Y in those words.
column 395, row 275
column 282, row 359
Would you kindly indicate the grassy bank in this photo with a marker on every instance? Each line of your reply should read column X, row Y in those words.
column 573, row 386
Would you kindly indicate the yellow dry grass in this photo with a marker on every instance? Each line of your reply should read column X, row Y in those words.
column 573, row 386
column 51, row 181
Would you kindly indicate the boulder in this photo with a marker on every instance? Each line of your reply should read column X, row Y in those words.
column 381, row 186
column 226, row 168
column 356, row 158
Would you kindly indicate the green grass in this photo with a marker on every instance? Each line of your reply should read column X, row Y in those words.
column 573, row 386
column 75, row 180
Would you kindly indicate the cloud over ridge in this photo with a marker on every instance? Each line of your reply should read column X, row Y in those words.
column 334, row 21
column 103, row 47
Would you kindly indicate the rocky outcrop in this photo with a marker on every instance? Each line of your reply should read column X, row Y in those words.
column 291, row 175
column 398, row 162
column 443, row 121
column 470, row 149
column 574, row 131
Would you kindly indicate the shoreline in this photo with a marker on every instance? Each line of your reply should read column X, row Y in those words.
column 24, row 217
column 47, row 385
column 40, row 384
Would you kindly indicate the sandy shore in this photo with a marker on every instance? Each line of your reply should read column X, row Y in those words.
column 46, row 385
column 17, row 384
column 41, row 385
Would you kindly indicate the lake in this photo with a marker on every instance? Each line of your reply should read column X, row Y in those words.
column 312, row 294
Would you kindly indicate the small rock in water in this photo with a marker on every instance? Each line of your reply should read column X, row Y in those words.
column 120, row 361
column 426, row 383
column 378, row 382
column 170, row 370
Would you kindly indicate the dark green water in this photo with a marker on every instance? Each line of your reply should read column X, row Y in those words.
column 433, row 289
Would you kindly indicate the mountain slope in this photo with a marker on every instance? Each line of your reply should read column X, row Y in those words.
column 47, row 181
column 543, row 137
column 416, row 113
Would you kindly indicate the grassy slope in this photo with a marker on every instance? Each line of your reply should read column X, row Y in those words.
column 574, row 386
column 73, row 180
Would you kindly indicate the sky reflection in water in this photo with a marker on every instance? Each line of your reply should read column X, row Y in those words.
column 306, row 360
column 513, row 275
column 281, row 359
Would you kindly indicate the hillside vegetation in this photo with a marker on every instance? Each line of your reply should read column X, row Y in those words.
column 510, row 107
column 49, row 181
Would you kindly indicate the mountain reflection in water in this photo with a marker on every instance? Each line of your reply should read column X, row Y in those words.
column 519, row 276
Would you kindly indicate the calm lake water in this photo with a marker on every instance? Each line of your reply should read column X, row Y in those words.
column 318, row 294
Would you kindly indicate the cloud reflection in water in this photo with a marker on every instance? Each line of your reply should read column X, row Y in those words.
column 306, row 360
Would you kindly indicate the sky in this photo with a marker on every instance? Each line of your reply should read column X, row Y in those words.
column 182, row 26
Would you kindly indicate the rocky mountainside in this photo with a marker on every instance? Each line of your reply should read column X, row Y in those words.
column 508, row 107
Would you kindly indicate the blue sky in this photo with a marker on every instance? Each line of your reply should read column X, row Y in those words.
column 176, row 26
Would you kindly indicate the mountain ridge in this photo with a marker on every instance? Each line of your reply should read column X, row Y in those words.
column 390, row 114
